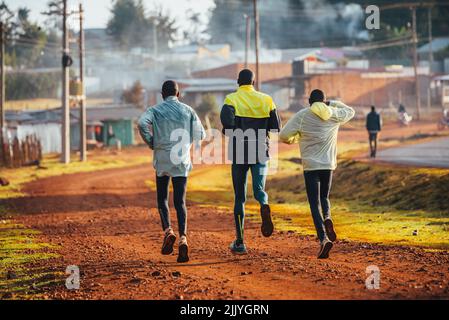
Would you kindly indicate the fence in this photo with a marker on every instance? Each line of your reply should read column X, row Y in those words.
column 17, row 153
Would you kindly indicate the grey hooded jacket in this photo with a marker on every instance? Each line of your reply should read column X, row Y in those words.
column 316, row 130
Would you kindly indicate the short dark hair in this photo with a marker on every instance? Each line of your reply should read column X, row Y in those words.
column 246, row 77
column 316, row 96
column 373, row 108
column 169, row 88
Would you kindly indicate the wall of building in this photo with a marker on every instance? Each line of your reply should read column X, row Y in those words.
column 359, row 89
column 268, row 71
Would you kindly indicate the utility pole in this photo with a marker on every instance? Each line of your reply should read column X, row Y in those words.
column 429, row 21
column 82, row 120
column 2, row 80
column 5, row 16
column 248, row 38
column 65, row 156
column 415, row 63
column 256, row 33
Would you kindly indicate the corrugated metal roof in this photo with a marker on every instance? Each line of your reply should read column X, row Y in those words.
column 437, row 45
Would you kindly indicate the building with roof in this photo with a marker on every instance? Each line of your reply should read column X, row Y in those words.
column 106, row 125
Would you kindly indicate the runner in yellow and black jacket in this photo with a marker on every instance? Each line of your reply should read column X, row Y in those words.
column 247, row 117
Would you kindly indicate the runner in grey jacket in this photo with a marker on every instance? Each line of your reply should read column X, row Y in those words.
column 316, row 130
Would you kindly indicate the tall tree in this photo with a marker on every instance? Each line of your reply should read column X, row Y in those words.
column 128, row 24
column 131, row 26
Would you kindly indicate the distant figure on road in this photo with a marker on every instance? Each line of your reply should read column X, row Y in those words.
column 316, row 130
column 403, row 117
column 157, row 126
column 247, row 117
column 374, row 126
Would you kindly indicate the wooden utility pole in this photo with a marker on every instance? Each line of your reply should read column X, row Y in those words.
column 2, row 83
column 65, row 134
column 415, row 63
column 248, row 38
column 256, row 33
column 429, row 21
column 82, row 120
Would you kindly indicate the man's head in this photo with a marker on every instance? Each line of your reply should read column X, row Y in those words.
column 316, row 96
column 373, row 108
column 170, row 88
column 246, row 77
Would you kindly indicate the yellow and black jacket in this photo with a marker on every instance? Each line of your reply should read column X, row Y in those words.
column 250, row 111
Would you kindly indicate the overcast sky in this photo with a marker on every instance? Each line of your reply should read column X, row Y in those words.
column 98, row 11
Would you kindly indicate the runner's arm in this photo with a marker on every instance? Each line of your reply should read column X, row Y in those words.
column 291, row 132
column 227, row 117
column 144, row 125
column 343, row 113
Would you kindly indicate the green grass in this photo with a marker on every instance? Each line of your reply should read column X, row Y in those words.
column 20, row 247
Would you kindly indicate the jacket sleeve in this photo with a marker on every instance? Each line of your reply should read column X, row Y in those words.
column 227, row 117
column 274, row 121
column 144, row 126
column 343, row 113
column 198, row 132
column 291, row 132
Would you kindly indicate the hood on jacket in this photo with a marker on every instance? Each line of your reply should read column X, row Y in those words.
column 321, row 110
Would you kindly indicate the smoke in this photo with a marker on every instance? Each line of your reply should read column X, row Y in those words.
column 340, row 17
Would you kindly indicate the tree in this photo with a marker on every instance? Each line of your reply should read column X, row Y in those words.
column 26, row 41
column 131, row 27
column 128, row 24
column 135, row 95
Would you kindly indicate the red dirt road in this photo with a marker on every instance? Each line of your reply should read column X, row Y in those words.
column 106, row 223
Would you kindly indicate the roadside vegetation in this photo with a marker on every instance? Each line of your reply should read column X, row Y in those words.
column 22, row 248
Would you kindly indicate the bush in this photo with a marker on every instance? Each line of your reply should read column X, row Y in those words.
column 25, row 85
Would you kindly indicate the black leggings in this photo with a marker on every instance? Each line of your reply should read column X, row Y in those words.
column 179, row 199
column 318, row 185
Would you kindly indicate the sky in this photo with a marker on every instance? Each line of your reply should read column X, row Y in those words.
column 97, row 12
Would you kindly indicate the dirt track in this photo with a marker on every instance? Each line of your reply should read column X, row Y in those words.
column 107, row 224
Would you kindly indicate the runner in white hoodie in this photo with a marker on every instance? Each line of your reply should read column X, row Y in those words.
column 316, row 130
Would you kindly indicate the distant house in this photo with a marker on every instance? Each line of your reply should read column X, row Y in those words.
column 195, row 51
column 193, row 90
column 105, row 126
column 437, row 45
column 226, row 77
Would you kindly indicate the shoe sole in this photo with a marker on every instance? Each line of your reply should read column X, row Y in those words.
column 167, row 247
column 239, row 253
column 329, row 225
column 325, row 253
column 267, row 224
column 183, row 255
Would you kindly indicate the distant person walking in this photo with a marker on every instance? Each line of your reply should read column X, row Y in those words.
column 247, row 117
column 316, row 130
column 374, row 126
column 158, row 126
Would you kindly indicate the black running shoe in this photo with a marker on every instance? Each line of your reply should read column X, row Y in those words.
column 325, row 248
column 329, row 226
column 183, row 255
column 169, row 241
column 267, row 225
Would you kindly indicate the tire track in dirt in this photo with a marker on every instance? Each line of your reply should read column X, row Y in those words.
column 106, row 223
